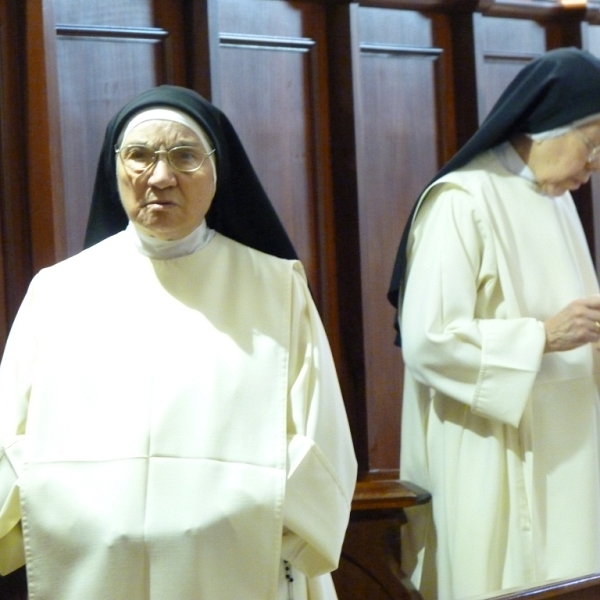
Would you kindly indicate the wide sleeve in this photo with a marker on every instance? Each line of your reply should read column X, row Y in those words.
column 15, row 385
column 321, row 460
column 458, row 336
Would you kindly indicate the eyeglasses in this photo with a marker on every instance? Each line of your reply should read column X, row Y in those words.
column 593, row 158
column 185, row 159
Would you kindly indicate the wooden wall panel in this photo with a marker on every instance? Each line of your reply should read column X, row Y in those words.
column 397, row 153
column 107, row 52
column 272, row 87
column 503, row 46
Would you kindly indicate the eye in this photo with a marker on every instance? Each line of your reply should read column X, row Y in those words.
column 186, row 157
column 141, row 154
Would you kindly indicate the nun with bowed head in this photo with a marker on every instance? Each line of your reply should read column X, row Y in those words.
column 171, row 424
column 499, row 316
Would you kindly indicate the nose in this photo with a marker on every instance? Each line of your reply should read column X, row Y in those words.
column 162, row 174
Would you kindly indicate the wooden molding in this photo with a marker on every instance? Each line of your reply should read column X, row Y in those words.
column 383, row 491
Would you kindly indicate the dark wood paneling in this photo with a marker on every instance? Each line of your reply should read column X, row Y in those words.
column 503, row 46
column 398, row 150
column 14, row 211
column 343, row 49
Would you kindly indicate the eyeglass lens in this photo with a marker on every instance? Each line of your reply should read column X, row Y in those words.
column 593, row 150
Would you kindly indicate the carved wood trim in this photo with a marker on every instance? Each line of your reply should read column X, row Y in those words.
column 128, row 33
column 523, row 57
column 401, row 49
column 266, row 41
column 382, row 491
column 151, row 35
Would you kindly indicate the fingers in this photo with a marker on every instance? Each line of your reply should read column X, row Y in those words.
column 575, row 325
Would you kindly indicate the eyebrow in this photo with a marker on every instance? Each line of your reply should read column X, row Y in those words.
column 179, row 143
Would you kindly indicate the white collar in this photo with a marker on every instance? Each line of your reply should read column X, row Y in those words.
column 167, row 249
column 512, row 162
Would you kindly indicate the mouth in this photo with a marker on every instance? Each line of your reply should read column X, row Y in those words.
column 158, row 203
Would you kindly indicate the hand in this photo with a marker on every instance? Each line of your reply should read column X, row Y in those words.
column 575, row 325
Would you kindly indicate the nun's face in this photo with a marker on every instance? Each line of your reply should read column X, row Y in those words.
column 565, row 162
column 161, row 201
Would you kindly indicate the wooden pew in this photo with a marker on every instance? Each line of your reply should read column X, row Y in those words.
column 370, row 563
column 581, row 588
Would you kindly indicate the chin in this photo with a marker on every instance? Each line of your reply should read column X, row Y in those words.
column 557, row 190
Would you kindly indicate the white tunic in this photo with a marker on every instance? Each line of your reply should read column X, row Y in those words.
column 504, row 436
column 175, row 429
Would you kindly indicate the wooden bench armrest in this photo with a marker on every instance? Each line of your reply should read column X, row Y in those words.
column 372, row 494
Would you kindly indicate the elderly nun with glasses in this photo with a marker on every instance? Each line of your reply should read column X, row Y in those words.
column 171, row 421
column 499, row 322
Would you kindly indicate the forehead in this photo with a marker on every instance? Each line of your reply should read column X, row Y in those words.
column 159, row 131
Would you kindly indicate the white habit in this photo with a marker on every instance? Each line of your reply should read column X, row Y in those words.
column 172, row 429
column 504, row 436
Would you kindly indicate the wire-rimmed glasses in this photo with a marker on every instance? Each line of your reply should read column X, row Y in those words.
column 186, row 159
column 593, row 158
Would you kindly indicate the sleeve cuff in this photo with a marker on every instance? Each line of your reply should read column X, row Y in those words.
column 506, row 378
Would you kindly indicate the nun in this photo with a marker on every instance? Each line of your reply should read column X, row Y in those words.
column 499, row 316
column 171, row 423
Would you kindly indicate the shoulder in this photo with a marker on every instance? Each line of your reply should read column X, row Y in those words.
column 104, row 256
column 479, row 173
column 259, row 262
column 483, row 182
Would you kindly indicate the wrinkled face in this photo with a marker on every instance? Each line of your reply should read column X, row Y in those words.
column 161, row 201
column 561, row 163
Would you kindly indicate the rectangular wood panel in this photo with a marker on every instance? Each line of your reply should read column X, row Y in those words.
column 397, row 153
column 503, row 46
column 271, row 77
